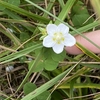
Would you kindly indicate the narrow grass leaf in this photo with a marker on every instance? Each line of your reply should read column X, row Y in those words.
column 88, row 52
column 65, row 10
column 96, row 6
column 32, row 67
column 86, row 28
column 23, row 12
column 80, row 85
column 11, row 36
column 19, row 54
column 61, row 2
column 46, row 86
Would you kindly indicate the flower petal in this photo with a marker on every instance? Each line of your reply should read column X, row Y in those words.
column 63, row 28
column 48, row 42
column 69, row 40
column 58, row 48
column 51, row 29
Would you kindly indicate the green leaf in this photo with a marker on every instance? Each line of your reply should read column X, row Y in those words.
column 15, row 18
column 37, row 1
column 58, row 57
column 44, row 96
column 24, row 36
column 45, row 74
column 14, row 2
column 29, row 44
column 65, row 10
column 47, row 52
column 79, row 19
column 46, row 86
column 61, row 3
column 29, row 87
column 79, row 8
column 97, row 66
column 49, row 60
column 50, row 64
column 12, row 14
column 80, row 15
column 86, row 28
column 2, row 8
column 39, row 67
column 56, row 95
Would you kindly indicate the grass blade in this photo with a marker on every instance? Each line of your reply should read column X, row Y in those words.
column 23, row 12
column 87, row 52
column 20, row 53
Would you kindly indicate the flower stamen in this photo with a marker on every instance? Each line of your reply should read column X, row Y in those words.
column 58, row 37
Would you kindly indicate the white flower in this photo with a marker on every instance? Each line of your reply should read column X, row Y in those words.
column 58, row 37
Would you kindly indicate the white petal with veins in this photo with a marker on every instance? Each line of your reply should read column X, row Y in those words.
column 48, row 42
column 69, row 40
column 51, row 29
column 58, row 48
column 63, row 28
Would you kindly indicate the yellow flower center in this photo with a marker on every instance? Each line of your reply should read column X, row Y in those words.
column 58, row 38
